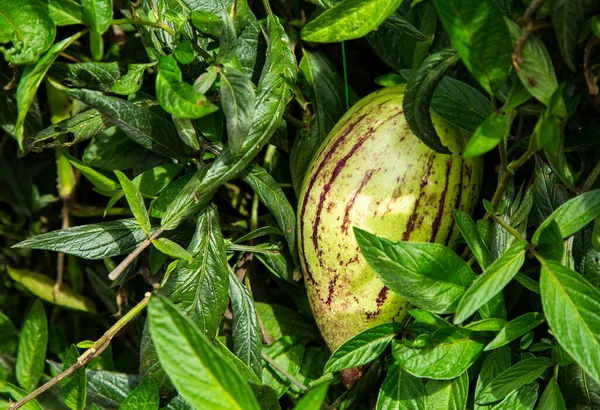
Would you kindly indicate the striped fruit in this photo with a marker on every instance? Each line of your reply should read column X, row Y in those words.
column 372, row 172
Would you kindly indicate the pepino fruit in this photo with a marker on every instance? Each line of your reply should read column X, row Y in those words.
column 372, row 172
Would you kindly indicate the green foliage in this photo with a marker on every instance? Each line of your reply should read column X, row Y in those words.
column 174, row 136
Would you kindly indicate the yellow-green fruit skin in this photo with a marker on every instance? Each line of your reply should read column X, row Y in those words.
column 373, row 173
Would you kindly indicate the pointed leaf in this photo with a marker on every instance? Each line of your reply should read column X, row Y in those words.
column 237, row 97
column 448, row 394
column 515, row 329
column 135, row 201
column 143, row 397
column 401, row 391
column 487, row 136
column 73, row 387
column 31, row 352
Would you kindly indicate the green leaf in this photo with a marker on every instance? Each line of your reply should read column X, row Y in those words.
column 73, row 387
column 32, row 78
column 206, row 22
column 281, row 321
column 135, row 201
column 31, row 352
column 552, row 398
column 228, row 39
column 469, row 232
column 314, row 399
column 8, row 336
column 401, row 391
column 28, row 29
column 324, row 86
column 447, row 394
column 288, row 354
column 580, row 390
column 348, row 20
column 65, row 12
column 478, row 32
column 460, row 104
column 515, row 329
column 517, row 95
column 145, row 127
column 100, row 181
column 428, row 275
column 491, row 324
column 414, row 51
column 487, row 136
column 492, row 281
column 153, row 181
column 174, row 250
column 273, row 93
column 570, row 305
column 17, row 394
column 143, row 397
column 495, row 363
column 524, row 372
column 131, row 82
column 94, row 241
column 362, row 348
column 185, row 53
column 178, row 97
column 43, row 287
column 107, row 389
column 205, row 301
column 90, row 75
column 401, row 26
column 237, row 97
column 550, row 242
column 202, row 376
column 573, row 214
column 536, row 72
column 247, row 336
column 568, row 19
column 521, row 399
column 419, row 93
column 98, row 15
column 444, row 355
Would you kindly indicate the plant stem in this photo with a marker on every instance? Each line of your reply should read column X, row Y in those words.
column 507, row 173
column 127, row 261
column 589, row 181
column 162, row 26
column 509, row 228
column 90, row 354
column 294, row 121
column 282, row 371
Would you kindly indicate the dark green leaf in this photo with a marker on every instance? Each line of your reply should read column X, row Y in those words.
column 460, row 104
column 444, row 355
column 202, row 376
column 91, row 75
column 178, row 97
column 228, row 39
column 573, row 215
column 237, row 97
column 31, row 352
column 550, row 242
column 28, row 29
column 521, row 399
column 515, row 377
column 401, row 26
column 494, row 364
column 17, row 394
column 401, row 391
column 148, row 129
column 95, row 241
column 73, row 387
column 363, row 348
column 492, row 281
column 469, row 231
column 8, row 336
column 419, row 93
column 515, row 329
column 348, row 20
column 313, row 399
column 32, row 78
column 143, row 397
column 579, row 389
column 172, row 249
column 487, row 136
column 423, row 16
column 552, row 398
column 478, row 32
column 448, row 394
column 107, row 390
column 571, row 304
column 430, row 276
column 247, row 337
column 98, row 15
column 135, row 201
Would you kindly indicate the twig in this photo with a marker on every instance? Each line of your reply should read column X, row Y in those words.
column 127, row 261
column 527, row 27
column 587, row 65
column 282, row 371
column 14, row 80
column 90, row 354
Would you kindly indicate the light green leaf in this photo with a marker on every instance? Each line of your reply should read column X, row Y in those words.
column 401, row 391
column 515, row 329
column 363, row 348
column 469, row 232
column 487, row 136
column 135, row 201
column 478, row 32
column 17, row 394
column 131, row 82
column 174, row 250
column 428, row 275
column 237, row 97
column 314, row 399
column 98, row 15
column 492, row 281
column 448, row 394
column 31, row 352
column 178, row 97
column 571, row 305
column 65, row 12
column 348, row 20
column 143, row 397
column 521, row 399
column 73, row 387
column 202, row 376
column 552, row 398
column 524, row 372
column 495, row 363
